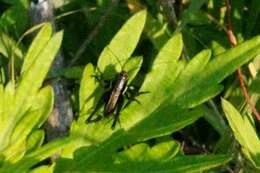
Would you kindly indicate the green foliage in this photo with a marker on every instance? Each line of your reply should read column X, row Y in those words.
column 118, row 53
column 9, row 18
column 181, row 71
column 174, row 86
column 244, row 132
column 25, row 107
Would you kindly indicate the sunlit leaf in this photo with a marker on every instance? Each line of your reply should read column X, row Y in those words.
column 244, row 132
column 118, row 51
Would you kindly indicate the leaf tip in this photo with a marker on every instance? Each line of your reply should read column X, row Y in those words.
column 47, row 26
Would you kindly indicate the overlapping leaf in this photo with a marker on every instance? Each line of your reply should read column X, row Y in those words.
column 244, row 132
column 175, row 92
column 26, row 107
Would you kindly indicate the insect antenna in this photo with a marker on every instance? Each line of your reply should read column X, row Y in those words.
column 116, row 58
column 123, row 67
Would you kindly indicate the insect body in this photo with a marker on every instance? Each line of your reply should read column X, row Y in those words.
column 114, row 98
column 118, row 90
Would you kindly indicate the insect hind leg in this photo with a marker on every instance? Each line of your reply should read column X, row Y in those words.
column 131, row 95
column 98, row 106
column 119, row 107
column 103, row 82
column 91, row 120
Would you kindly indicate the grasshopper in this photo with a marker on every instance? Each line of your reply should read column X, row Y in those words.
column 113, row 98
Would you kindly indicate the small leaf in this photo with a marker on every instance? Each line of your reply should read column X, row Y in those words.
column 17, row 12
column 42, row 169
column 8, row 101
column 38, row 44
column 187, row 15
column 142, row 152
column 29, row 84
column 25, row 126
column 32, row 80
column 17, row 145
column 44, row 102
column 243, row 131
column 164, row 124
column 1, row 102
column 157, row 32
column 132, row 67
column 157, row 83
column 34, row 141
column 36, row 156
column 217, row 69
column 118, row 53
column 7, row 44
column 88, row 87
column 180, row 164
column 189, row 76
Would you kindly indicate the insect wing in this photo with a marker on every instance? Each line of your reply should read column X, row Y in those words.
column 116, row 93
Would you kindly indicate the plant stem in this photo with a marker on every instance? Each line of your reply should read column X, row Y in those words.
column 233, row 41
column 171, row 13
column 173, row 21
column 60, row 119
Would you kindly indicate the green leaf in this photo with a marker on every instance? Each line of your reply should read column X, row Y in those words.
column 158, row 83
column 8, row 100
column 14, row 152
column 244, row 132
column 88, row 84
column 157, row 32
column 34, row 141
column 174, row 93
column 44, row 102
column 36, row 156
column 27, row 88
column 32, row 80
column 215, row 121
column 226, row 63
column 189, row 76
column 77, row 133
column 114, row 56
column 116, row 52
column 165, row 65
column 187, row 15
column 9, row 18
column 1, row 102
column 164, row 124
column 33, row 118
column 7, row 44
column 48, row 149
column 174, row 88
column 180, row 164
column 216, row 70
column 132, row 67
column 142, row 116
column 7, row 106
column 142, row 152
column 21, row 131
column 43, row 169
column 38, row 44
column 254, row 87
